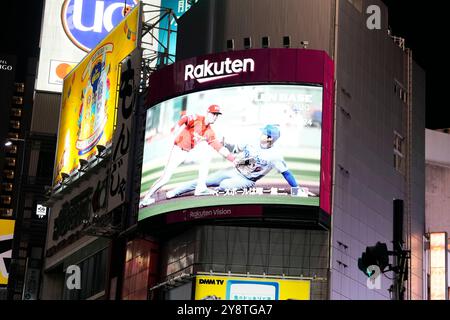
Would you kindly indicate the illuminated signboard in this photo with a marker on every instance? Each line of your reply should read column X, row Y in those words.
column 286, row 94
column 256, row 289
column 86, row 23
column 41, row 211
column 89, row 99
column 250, row 144
column 6, row 241
column 438, row 266
column 179, row 7
column 70, row 28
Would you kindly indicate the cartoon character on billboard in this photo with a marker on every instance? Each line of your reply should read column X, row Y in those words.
column 93, row 116
column 252, row 164
column 194, row 132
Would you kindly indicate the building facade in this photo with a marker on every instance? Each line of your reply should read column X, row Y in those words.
column 24, row 177
column 11, row 98
column 375, row 154
column 380, row 102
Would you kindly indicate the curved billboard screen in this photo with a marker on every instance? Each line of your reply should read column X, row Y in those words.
column 251, row 144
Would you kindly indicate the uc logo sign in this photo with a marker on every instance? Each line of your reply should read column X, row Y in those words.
column 87, row 22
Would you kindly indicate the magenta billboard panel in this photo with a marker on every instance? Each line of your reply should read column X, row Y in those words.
column 300, row 66
column 239, row 129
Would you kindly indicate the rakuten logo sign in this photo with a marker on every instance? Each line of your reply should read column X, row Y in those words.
column 210, row 71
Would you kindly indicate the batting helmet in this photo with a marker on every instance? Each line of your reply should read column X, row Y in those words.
column 272, row 131
column 214, row 108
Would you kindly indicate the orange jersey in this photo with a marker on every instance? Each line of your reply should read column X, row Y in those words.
column 195, row 130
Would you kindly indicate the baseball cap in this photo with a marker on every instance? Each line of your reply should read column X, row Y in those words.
column 214, row 108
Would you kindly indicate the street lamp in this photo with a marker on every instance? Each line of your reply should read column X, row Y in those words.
column 9, row 142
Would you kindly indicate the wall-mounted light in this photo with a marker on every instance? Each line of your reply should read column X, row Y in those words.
column 304, row 44
column 83, row 165
column 65, row 177
column 101, row 151
column 9, row 142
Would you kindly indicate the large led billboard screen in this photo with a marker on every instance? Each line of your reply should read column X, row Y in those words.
column 89, row 98
column 256, row 289
column 248, row 144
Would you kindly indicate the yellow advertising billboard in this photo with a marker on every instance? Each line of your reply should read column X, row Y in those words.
column 89, row 96
column 236, row 288
column 6, row 239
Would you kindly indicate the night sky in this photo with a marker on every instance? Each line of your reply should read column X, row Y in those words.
column 421, row 24
column 424, row 25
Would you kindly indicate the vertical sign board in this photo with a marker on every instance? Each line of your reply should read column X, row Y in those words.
column 438, row 266
column 122, row 140
column 6, row 242
column 88, row 102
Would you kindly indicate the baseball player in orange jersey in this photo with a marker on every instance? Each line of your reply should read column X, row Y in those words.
column 194, row 132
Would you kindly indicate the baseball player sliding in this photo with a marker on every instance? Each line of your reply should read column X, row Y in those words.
column 255, row 162
column 194, row 132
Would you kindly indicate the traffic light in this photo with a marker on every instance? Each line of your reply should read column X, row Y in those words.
column 376, row 255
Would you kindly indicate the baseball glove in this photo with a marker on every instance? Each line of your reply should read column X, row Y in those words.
column 245, row 165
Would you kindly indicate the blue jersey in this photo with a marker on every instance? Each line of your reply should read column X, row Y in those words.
column 256, row 162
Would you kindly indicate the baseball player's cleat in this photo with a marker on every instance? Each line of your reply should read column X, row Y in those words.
column 146, row 202
column 301, row 192
column 205, row 192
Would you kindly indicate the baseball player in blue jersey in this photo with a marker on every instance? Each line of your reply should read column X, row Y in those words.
column 254, row 163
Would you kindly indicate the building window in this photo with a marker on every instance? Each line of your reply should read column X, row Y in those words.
column 17, row 100
column 9, row 174
column 16, row 112
column 5, row 199
column 20, row 87
column 13, row 135
column 7, row 186
column 12, row 149
column 400, row 91
column 399, row 153
column 15, row 124
column 5, row 212
column 11, row 162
